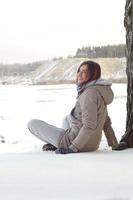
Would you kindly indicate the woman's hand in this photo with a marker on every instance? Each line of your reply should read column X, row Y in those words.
column 64, row 151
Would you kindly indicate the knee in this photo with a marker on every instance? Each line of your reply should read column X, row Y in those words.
column 32, row 124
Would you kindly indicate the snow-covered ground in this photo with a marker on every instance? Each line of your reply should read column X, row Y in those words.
column 28, row 173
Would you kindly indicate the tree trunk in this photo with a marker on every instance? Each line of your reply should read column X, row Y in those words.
column 128, row 23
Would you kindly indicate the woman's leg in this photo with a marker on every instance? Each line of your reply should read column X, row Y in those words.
column 45, row 131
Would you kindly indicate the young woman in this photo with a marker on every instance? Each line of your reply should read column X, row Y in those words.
column 87, row 119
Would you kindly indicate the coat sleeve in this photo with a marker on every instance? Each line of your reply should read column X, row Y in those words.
column 89, row 109
column 109, row 132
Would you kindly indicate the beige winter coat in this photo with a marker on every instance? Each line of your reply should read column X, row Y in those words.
column 88, row 117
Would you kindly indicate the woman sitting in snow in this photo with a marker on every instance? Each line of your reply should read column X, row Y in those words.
column 87, row 119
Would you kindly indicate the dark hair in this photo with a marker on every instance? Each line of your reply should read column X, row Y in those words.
column 94, row 69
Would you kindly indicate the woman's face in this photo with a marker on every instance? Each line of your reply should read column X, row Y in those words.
column 83, row 74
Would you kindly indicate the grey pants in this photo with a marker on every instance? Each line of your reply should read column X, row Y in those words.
column 46, row 132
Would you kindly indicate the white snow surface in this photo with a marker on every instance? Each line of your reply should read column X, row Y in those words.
column 28, row 173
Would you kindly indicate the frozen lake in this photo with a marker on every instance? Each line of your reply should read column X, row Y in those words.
column 20, row 103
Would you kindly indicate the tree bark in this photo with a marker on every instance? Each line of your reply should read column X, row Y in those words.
column 128, row 23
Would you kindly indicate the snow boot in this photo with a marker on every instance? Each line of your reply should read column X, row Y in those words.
column 48, row 147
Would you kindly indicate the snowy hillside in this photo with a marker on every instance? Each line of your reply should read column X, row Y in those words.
column 64, row 71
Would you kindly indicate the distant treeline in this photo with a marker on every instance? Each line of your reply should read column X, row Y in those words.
column 18, row 69
column 109, row 51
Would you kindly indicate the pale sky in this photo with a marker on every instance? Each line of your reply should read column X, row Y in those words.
column 33, row 30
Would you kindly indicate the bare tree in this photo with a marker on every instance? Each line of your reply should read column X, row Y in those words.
column 127, row 138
